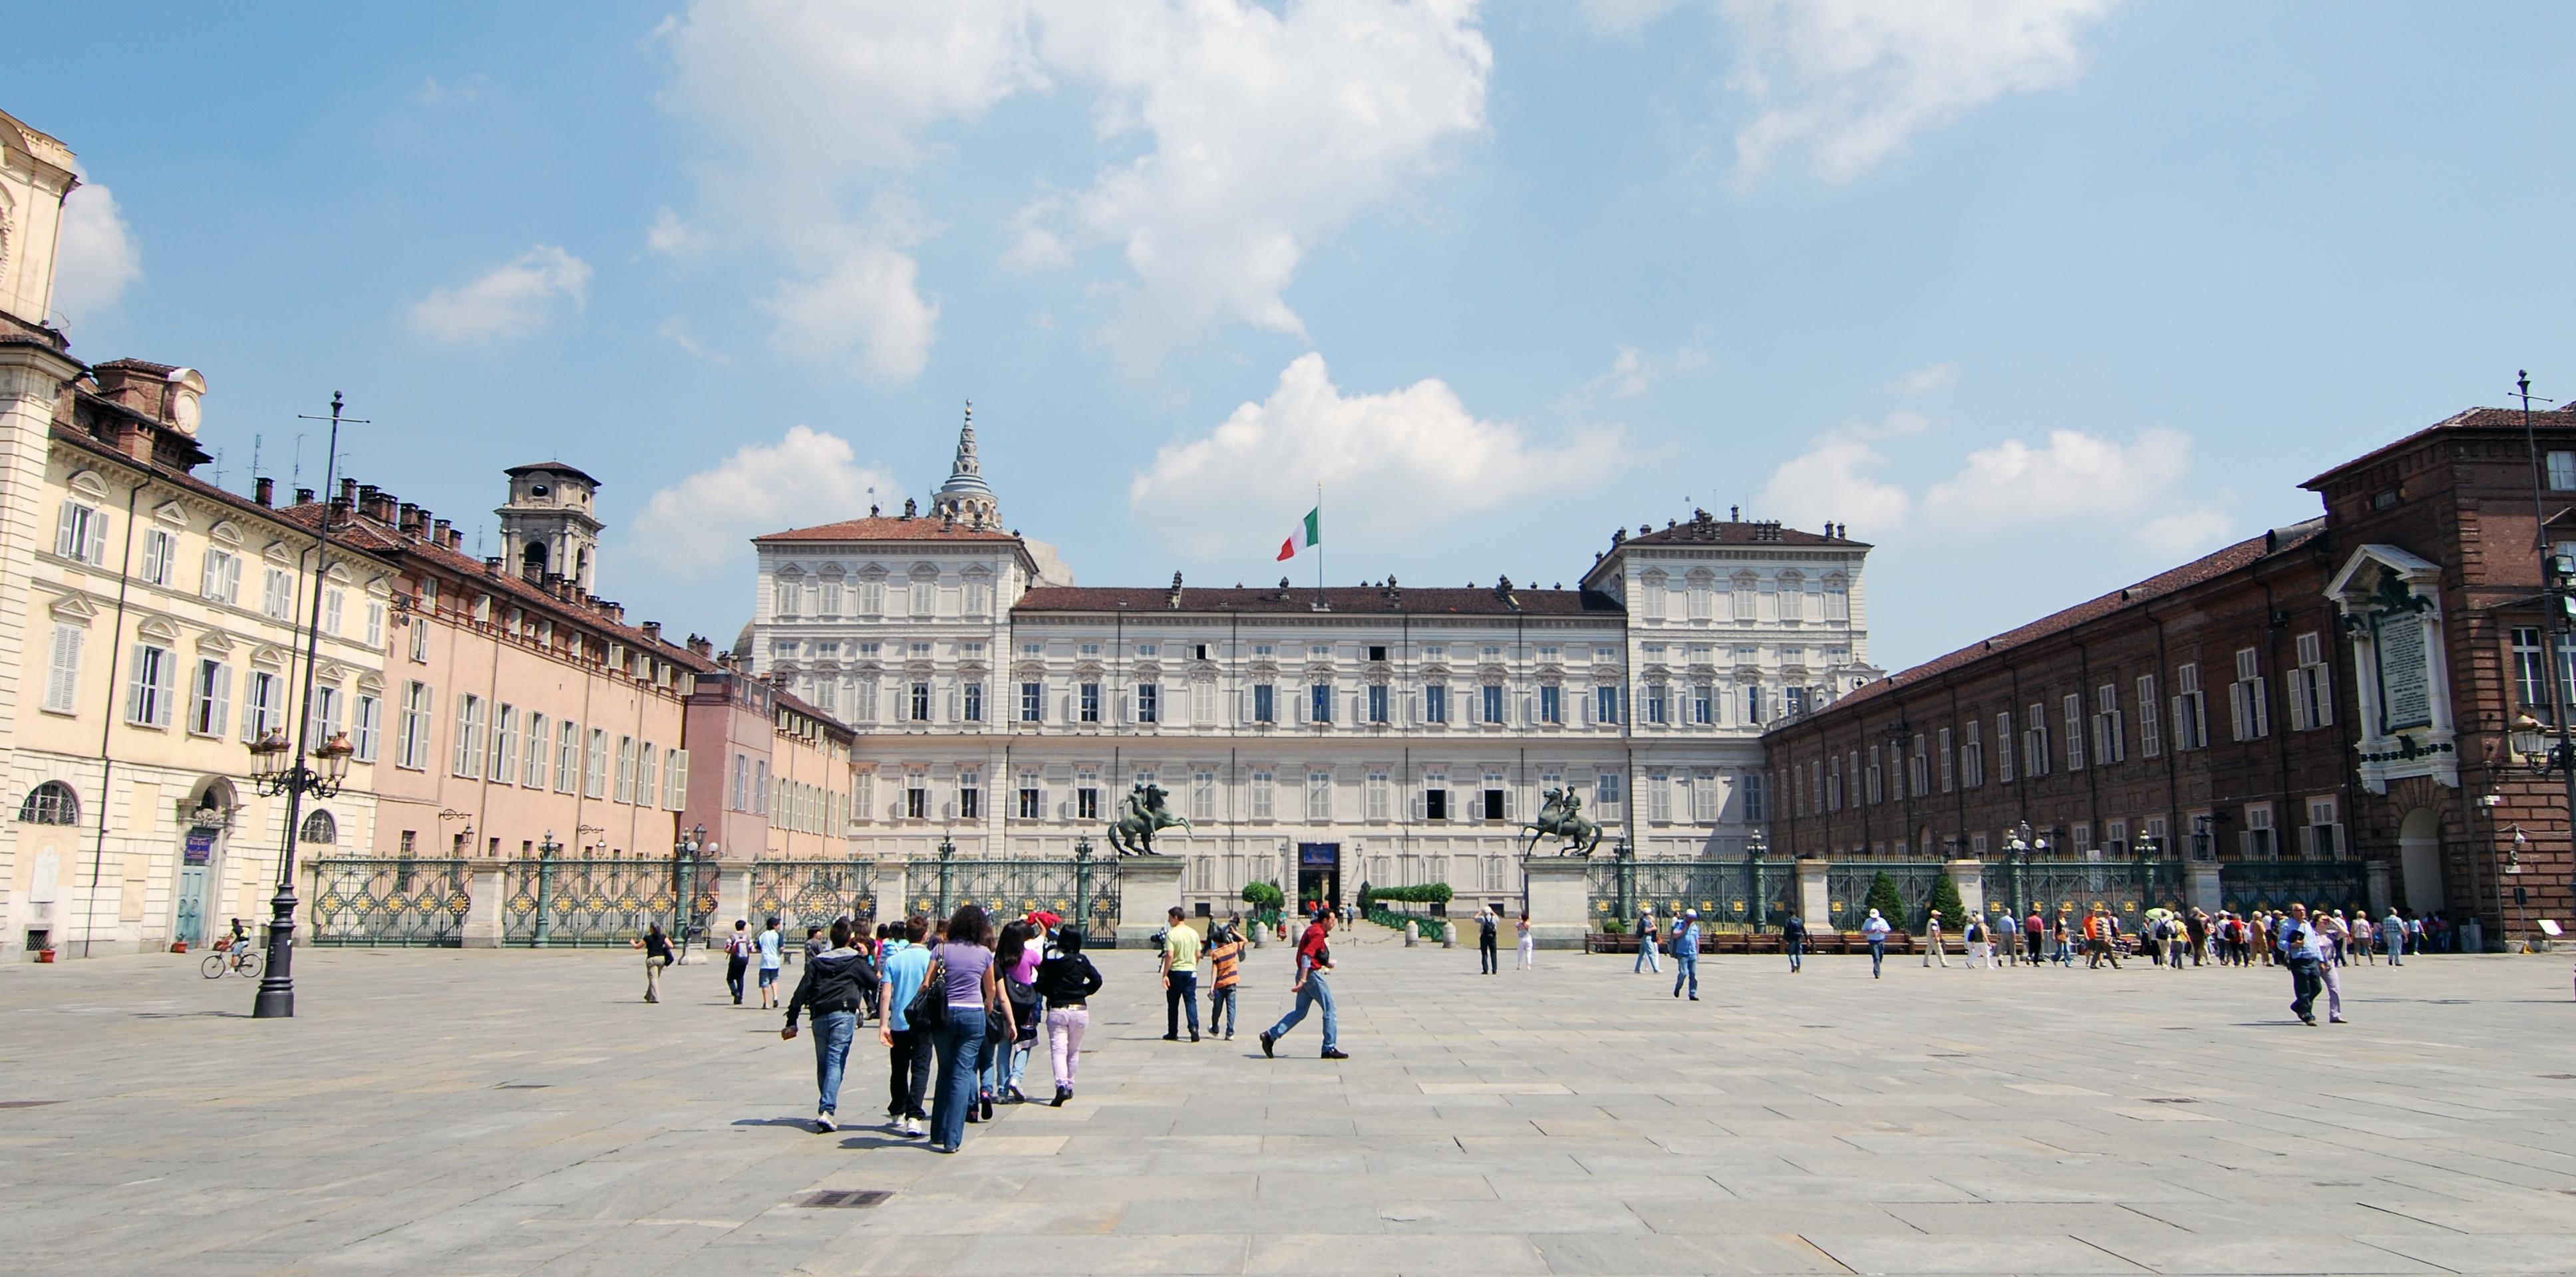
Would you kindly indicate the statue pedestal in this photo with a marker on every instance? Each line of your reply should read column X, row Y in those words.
column 1559, row 892
column 1148, row 887
column 482, row 928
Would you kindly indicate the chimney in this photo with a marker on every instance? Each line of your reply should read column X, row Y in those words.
column 264, row 491
column 348, row 492
column 492, row 565
column 304, row 496
column 455, row 537
column 339, row 510
column 652, row 630
column 701, row 647
column 614, row 611
column 438, row 530
column 409, row 517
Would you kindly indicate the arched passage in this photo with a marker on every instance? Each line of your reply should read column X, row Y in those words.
column 2419, row 859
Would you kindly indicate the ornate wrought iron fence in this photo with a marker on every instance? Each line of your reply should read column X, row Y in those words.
column 599, row 900
column 1730, row 895
column 1083, row 890
column 2127, row 887
column 813, row 892
column 1847, row 884
column 2277, row 884
column 397, row 901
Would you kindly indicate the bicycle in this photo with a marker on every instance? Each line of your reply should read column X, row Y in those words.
column 228, row 956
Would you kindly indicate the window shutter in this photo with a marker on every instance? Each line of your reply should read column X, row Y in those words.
column 135, row 689
column 2321, row 686
column 2181, row 724
column 2298, row 700
column 98, row 539
column 2257, row 692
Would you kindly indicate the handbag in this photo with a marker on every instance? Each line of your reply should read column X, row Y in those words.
column 929, row 1006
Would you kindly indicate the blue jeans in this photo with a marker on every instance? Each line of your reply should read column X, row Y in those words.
column 1796, row 943
column 1877, row 955
column 1222, row 1010
column 832, row 1030
column 1315, row 993
column 1646, row 957
column 959, row 1042
column 1686, row 968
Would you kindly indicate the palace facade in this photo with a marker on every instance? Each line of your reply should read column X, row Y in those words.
column 1385, row 733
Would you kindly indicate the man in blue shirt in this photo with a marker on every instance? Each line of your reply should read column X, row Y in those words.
column 1875, row 931
column 2304, row 950
column 772, row 957
column 1686, row 954
column 908, row 1052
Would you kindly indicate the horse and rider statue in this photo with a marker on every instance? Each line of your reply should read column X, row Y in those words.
column 1561, row 815
column 1140, row 816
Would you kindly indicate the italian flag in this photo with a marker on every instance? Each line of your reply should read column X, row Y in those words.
column 1312, row 532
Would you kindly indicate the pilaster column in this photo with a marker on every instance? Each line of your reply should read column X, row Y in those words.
column 2202, row 887
column 1969, row 876
column 733, row 895
column 1815, row 902
column 483, row 894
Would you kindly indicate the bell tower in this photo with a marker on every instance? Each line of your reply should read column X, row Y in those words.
column 548, row 528
column 966, row 498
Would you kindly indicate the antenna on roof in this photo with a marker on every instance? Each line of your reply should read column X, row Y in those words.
column 255, row 440
column 295, row 471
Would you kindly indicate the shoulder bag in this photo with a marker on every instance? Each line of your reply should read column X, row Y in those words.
column 929, row 1006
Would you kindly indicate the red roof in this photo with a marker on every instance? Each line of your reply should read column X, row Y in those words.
column 2466, row 419
column 888, row 528
column 2163, row 584
column 1362, row 600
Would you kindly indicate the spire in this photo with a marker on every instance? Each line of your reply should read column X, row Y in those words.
column 966, row 462
column 966, row 498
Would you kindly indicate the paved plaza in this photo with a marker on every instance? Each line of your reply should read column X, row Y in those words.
column 513, row 1112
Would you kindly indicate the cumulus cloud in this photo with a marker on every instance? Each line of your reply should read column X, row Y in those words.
column 1931, row 379
column 861, row 308
column 1850, row 83
column 668, row 235
column 514, row 299
column 1239, row 135
column 1833, row 480
column 1395, row 464
column 2072, row 478
column 95, row 258
column 702, row 522
column 2186, row 533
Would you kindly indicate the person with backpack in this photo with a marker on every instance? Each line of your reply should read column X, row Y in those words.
column 1793, row 939
column 1647, row 957
column 832, row 988
column 1488, row 923
column 908, row 1052
column 737, row 958
column 1065, row 984
column 1686, row 954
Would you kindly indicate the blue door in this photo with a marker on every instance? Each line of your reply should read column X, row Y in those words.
column 195, row 867
column 1319, row 875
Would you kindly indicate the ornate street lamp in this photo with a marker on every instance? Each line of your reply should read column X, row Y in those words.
column 684, row 871
column 547, row 851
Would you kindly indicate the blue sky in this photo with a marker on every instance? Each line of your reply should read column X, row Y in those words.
column 2039, row 296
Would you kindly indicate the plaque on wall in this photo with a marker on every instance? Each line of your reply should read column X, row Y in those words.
column 2405, row 672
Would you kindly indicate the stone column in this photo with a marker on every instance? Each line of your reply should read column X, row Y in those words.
column 2202, row 887
column 733, row 895
column 1969, row 876
column 483, row 893
column 1147, row 887
column 1815, row 903
column 2376, row 873
column 894, row 890
column 1560, row 900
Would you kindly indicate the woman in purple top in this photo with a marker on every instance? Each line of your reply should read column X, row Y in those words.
column 973, row 989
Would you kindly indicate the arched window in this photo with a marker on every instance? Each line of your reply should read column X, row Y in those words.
column 320, row 828
column 51, row 803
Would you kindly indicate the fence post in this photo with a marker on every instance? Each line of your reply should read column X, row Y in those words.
column 2205, row 890
column 1969, row 876
column 733, row 893
column 894, row 882
column 482, row 905
column 1815, row 899
column 2375, row 876
column 545, row 897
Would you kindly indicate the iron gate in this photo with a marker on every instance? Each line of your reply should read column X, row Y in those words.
column 2245, row 886
column 396, row 901
column 1731, row 895
column 1847, row 885
column 1084, row 891
column 813, row 892
column 591, row 900
column 2071, row 888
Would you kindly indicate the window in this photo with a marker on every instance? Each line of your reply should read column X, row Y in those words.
column 221, row 578
column 2312, row 684
column 1947, row 775
column 974, row 700
column 364, row 726
column 760, row 787
column 1837, row 600
column 148, row 694
column 1203, row 702
column 505, row 745
column 970, row 796
column 567, row 757
column 1793, row 593
column 1703, row 710
column 1380, row 796
column 916, row 796
column 1032, row 797
column 920, row 702
column 1972, row 756
column 1656, row 701
column 1320, row 706
column 81, row 534
column 2151, row 741
column 2562, row 471
column 1659, row 798
column 324, row 711
column 1032, row 702
column 1086, row 796
column 1753, row 704
column 2110, row 745
column 1435, row 702
column 2249, row 711
column 1495, row 798
column 2004, row 747
column 1377, row 703
column 160, row 556
column 51, row 803
column 1605, row 705
column 2257, row 842
column 1834, row 785
column 1703, row 797
column 2073, row 704
column 1090, row 703
column 1753, row 801
column 1324, row 651
column 1605, row 792
column 1265, row 703
column 469, row 735
column 375, row 624
column 2034, row 742
column 2322, row 837
column 1435, row 797
column 1262, row 784
column 738, row 797
column 1149, row 703
column 333, row 602
column 863, row 702
column 1918, row 769
column 1652, row 592
column 62, row 670
column 277, row 595
column 925, row 598
column 411, row 741
column 1870, row 788
column 420, row 642
column 1551, row 703
column 2190, row 713
column 675, row 779
column 594, row 780
column 1319, row 795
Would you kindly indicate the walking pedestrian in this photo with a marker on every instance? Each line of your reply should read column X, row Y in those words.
column 1686, row 954
column 737, row 957
column 1017, row 959
column 1932, row 946
column 657, row 955
column 830, row 990
column 2362, row 938
column 814, row 943
column 772, row 957
column 1225, row 963
column 1487, row 923
column 1066, row 982
column 1180, row 964
column 2034, row 930
column 1875, row 931
column 1314, row 963
column 1793, row 939
column 907, row 966
column 2098, row 935
column 1529, row 947
column 2392, row 937
column 965, row 968
column 1976, row 940
column 2302, row 948
column 1646, row 938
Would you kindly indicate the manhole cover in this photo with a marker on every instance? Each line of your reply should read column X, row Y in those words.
column 2170, row 1099
column 844, row 1197
column 522, row 1086
column 26, row 1104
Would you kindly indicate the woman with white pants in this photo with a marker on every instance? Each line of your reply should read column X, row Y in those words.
column 1529, row 948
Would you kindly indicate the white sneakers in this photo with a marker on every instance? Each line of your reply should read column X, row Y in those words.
column 824, row 1125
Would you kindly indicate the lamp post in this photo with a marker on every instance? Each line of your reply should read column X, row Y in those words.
column 2558, row 585
column 684, row 873
column 1082, row 881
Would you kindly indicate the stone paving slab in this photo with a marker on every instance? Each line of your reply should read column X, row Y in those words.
column 525, row 1113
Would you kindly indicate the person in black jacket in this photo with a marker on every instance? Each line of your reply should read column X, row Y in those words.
column 1065, row 984
column 832, row 987
column 1793, row 939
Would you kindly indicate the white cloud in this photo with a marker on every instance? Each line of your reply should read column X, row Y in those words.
column 1831, row 481
column 96, row 258
column 668, row 235
column 676, row 330
column 2074, row 478
column 1625, row 17
column 1397, row 464
column 433, row 93
column 862, row 308
column 2186, row 533
column 807, row 477
column 1850, row 83
column 1634, row 372
column 1243, row 135
column 514, row 299
column 1931, row 379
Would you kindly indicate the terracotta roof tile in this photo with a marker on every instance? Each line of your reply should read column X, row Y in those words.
column 2466, row 419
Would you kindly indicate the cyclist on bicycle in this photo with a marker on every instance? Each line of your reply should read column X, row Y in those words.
column 240, row 936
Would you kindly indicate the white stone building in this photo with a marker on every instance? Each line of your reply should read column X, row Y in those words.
column 1383, row 733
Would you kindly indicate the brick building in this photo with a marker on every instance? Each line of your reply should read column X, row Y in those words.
column 2341, row 690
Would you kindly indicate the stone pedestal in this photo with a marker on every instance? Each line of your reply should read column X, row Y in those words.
column 2376, row 874
column 1969, row 876
column 2202, row 888
column 894, row 891
column 1815, row 903
column 1560, row 900
column 482, row 905
column 1148, row 888
column 733, row 897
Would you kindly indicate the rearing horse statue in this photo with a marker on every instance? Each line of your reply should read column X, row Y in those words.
column 1139, row 817
column 1562, row 815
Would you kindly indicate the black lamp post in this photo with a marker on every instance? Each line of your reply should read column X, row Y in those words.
column 684, row 869
column 547, row 851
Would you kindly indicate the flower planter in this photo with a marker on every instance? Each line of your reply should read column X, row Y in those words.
column 44, row 955
column 178, row 946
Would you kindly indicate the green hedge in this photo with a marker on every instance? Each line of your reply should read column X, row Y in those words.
column 1429, row 893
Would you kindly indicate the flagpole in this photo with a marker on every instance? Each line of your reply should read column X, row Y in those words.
column 1319, row 545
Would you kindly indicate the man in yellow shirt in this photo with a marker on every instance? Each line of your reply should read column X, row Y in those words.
column 1180, row 977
